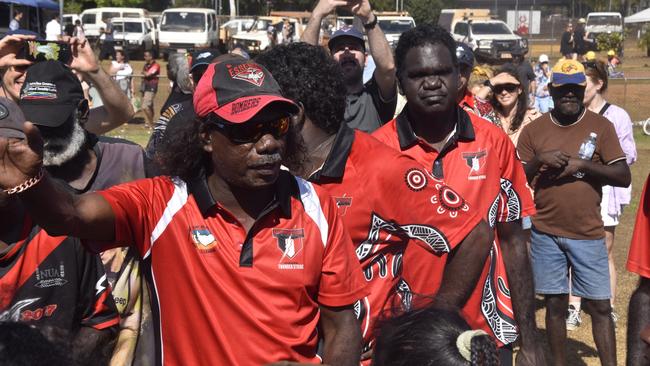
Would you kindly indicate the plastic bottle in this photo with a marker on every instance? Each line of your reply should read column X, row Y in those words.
column 587, row 149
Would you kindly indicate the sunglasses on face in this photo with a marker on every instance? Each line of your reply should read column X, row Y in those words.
column 510, row 88
column 251, row 131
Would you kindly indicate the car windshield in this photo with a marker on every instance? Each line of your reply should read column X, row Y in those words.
column 132, row 27
column 490, row 28
column 604, row 20
column 183, row 21
column 396, row 26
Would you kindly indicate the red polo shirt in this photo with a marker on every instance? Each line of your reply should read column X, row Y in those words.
column 385, row 199
column 222, row 296
column 479, row 161
column 638, row 260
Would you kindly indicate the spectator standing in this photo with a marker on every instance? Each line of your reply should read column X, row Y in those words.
column 108, row 43
column 527, row 78
column 68, row 29
column 288, row 31
column 582, row 43
column 15, row 21
column 567, row 43
column 372, row 104
column 543, row 100
column 149, row 86
column 234, row 198
column 614, row 199
column 477, row 159
column 79, row 31
column 123, row 73
column 638, row 261
column 568, row 230
column 53, row 29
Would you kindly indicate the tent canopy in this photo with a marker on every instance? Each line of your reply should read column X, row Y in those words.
column 45, row 4
column 641, row 17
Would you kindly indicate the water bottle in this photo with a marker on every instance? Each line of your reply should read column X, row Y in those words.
column 586, row 151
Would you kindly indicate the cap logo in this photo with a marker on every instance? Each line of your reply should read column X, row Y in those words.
column 37, row 90
column 203, row 55
column 4, row 112
column 244, row 105
column 249, row 73
column 569, row 67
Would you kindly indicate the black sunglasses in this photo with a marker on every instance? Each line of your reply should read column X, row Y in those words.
column 591, row 64
column 510, row 88
column 251, row 131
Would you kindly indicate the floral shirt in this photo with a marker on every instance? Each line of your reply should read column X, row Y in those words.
column 542, row 82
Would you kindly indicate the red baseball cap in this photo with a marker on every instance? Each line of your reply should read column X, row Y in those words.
column 236, row 90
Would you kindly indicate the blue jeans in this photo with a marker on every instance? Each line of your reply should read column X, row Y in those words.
column 551, row 257
column 544, row 104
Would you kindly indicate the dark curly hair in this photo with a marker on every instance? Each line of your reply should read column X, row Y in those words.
column 181, row 150
column 522, row 99
column 422, row 35
column 427, row 337
column 307, row 74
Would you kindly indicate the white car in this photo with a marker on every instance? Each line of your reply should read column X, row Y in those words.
column 186, row 29
column 394, row 26
column 491, row 40
column 256, row 39
column 135, row 35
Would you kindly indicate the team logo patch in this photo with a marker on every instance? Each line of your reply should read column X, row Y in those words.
column 416, row 179
column 50, row 277
column 39, row 90
column 249, row 73
column 448, row 201
column 476, row 163
column 203, row 239
column 290, row 244
column 342, row 204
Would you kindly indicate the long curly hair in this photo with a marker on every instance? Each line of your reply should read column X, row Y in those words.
column 427, row 337
column 522, row 99
column 181, row 151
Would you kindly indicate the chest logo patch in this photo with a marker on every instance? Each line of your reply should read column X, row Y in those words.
column 50, row 277
column 203, row 238
column 415, row 179
column 290, row 244
column 476, row 163
column 342, row 204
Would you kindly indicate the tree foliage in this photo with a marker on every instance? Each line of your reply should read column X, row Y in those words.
column 426, row 11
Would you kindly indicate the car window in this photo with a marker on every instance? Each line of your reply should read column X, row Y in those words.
column 461, row 28
column 88, row 18
column 490, row 28
column 183, row 22
column 396, row 25
column 131, row 15
column 604, row 20
column 110, row 15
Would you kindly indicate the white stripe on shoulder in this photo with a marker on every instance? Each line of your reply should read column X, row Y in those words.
column 175, row 203
column 311, row 203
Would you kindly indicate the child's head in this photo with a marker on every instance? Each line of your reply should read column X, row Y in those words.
column 480, row 74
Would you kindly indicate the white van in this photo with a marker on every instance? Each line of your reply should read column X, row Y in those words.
column 93, row 19
column 184, row 29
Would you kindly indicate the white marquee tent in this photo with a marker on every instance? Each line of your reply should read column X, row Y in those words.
column 641, row 17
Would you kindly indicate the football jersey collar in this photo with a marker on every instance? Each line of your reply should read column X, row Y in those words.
column 285, row 188
column 407, row 138
column 334, row 165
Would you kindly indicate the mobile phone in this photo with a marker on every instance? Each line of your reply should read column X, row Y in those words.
column 38, row 51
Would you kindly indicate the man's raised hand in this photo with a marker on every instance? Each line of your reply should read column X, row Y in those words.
column 83, row 57
column 325, row 7
column 20, row 159
column 10, row 47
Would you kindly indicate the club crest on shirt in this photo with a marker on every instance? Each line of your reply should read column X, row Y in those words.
column 203, row 239
column 290, row 244
column 342, row 204
column 476, row 163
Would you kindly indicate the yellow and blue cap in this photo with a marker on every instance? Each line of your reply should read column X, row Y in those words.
column 568, row 72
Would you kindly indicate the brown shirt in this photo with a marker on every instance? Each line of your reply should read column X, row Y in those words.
column 569, row 207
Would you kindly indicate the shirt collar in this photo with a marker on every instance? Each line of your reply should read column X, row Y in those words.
column 407, row 138
column 334, row 165
column 285, row 188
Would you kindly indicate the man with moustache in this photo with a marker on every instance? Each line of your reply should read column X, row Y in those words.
column 568, row 229
column 52, row 98
column 478, row 160
column 371, row 105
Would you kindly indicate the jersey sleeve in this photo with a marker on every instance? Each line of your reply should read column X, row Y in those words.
column 422, row 207
column 132, row 207
column 96, row 304
column 342, row 282
column 610, row 148
column 515, row 197
column 638, row 260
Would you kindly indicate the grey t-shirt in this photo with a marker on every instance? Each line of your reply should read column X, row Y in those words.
column 367, row 111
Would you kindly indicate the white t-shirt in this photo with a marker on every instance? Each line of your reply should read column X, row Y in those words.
column 123, row 70
column 52, row 30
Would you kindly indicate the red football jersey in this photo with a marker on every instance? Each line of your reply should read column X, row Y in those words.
column 222, row 296
column 385, row 198
column 480, row 162
column 638, row 260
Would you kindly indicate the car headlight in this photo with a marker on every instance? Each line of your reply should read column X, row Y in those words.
column 486, row 43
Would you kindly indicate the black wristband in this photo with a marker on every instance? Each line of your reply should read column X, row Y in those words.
column 372, row 24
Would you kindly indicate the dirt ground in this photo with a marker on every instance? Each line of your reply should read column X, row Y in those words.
column 632, row 95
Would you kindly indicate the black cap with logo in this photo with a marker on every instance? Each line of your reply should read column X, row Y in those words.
column 50, row 93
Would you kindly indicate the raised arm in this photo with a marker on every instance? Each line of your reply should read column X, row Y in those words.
column 342, row 336
column 54, row 208
column 322, row 9
column 116, row 109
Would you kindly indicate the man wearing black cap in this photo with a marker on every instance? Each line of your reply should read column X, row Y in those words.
column 238, row 252
column 371, row 105
column 50, row 282
column 52, row 98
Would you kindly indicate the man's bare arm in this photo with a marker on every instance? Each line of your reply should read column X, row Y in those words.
column 323, row 8
column 342, row 336
column 464, row 266
column 616, row 174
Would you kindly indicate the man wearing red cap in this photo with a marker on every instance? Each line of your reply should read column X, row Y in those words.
column 246, row 263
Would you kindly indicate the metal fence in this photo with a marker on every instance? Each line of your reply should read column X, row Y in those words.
column 631, row 94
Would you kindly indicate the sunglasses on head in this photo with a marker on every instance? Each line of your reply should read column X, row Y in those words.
column 510, row 88
column 591, row 64
column 251, row 131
